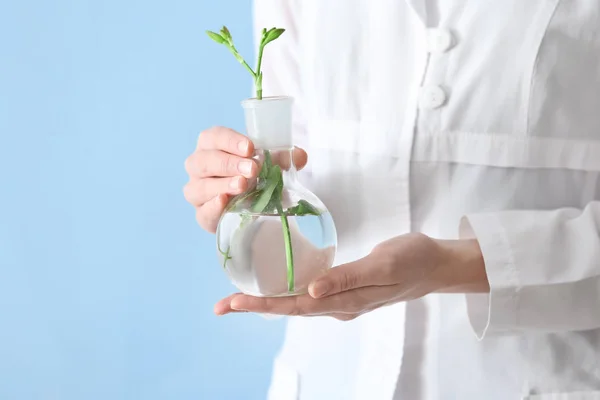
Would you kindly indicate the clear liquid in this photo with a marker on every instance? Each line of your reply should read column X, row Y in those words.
column 252, row 251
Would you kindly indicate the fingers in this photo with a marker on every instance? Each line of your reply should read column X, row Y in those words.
column 294, row 305
column 364, row 272
column 232, row 142
column 224, row 306
column 225, row 139
column 282, row 158
column 209, row 213
column 352, row 302
column 214, row 163
column 198, row 192
column 220, row 168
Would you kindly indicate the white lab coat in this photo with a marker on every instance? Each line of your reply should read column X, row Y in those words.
column 454, row 118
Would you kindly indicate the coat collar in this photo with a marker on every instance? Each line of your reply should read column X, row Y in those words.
column 420, row 9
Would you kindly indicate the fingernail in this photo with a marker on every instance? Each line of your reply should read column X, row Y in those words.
column 245, row 167
column 320, row 288
column 235, row 183
column 243, row 146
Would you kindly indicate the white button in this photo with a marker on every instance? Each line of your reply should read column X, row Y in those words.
column 432, row 97
column 439, row 40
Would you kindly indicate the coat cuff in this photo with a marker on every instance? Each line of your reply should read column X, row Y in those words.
column 493, row 313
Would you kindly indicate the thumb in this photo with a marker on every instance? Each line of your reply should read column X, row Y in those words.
column 340, row 279
column 300, row 158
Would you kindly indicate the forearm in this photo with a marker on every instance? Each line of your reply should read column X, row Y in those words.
column 542, row 267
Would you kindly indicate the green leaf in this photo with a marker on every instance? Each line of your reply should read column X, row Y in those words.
column 303, row 208
column 262, row 201
column 273, row 34
column 264, row 198
column 216, row 37
column 267, row 164
column 237, row 200
column 226, row 34
column 276, row 197
column 263, row 182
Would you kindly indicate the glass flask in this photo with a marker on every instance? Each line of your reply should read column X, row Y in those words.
column 277, row 237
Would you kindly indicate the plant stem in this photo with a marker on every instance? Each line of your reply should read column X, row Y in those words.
column 225, row 254
column 260, row 56
column 245, row 64
column 258, row 85
column 241, row 60
column 289, row 255
column 258, row 76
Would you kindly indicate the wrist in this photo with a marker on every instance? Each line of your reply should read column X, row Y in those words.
column 461, row 268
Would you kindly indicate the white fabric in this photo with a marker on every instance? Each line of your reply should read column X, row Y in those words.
column 439, row 40
column 513, row 152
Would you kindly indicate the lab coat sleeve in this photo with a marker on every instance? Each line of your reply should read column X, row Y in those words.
column 543, row 268
column 281, row 58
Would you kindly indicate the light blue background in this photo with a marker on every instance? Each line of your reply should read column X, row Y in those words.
column 106, row 282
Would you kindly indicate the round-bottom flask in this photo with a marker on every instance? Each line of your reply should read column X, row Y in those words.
column 277, row 237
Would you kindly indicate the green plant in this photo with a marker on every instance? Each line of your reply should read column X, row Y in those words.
column 267, row 196
column 225, row 38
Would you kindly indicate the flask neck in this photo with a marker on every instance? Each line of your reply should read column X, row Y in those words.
column 278, row 156
column 269, row 121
